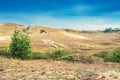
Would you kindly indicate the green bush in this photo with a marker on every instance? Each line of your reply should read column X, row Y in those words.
column 110, row 56
column 59, row 53
column 42, row 31
column 116, row 56
column 20, row 46
column 107, row 30
column 102, row 54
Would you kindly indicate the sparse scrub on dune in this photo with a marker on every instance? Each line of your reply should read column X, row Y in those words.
column 26, row 29
column 110, row 56
column 66, row 55
column 50, row 54
column 77, row 31
column 42, row 31
column 87, row 59
column 88, row 47
column 38, row 55
column 111, row 30
column 4, row 52
column 70, row 30
column 105, row 43
column 59, row 53
column 4, row 48
column 20, row 46
column 108, row 30
column 54, row 54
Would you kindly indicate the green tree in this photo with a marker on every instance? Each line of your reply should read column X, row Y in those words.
column 20, row 46
column 108, row 30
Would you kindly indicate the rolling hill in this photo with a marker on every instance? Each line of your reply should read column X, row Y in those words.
column 81, row 44
column 52, row 38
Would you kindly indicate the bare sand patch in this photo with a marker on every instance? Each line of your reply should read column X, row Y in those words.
column 74, row 35
column 4, row 38
column 53, row 44
column 1, row 24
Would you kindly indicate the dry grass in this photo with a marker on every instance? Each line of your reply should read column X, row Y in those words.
column 90, row 39
column 96, row 42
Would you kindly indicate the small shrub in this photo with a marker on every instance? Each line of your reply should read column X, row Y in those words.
column 28, row 28
column 20, row 46
column 106, row 43
column 59, row 53
column 110, row 56
column 116, row 56
column 42, row 31
column 70, row 30
column 102, row 54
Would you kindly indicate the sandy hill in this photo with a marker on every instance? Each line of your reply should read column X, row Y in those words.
column 81, row 44
column 8, row 28
column 43, row 38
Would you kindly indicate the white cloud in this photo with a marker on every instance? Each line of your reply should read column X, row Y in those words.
column 86, row 23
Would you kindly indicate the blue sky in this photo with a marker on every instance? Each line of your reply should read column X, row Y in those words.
column 75, row 14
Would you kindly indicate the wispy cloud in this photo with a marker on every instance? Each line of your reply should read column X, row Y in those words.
column 78, row 14
column 84, row 22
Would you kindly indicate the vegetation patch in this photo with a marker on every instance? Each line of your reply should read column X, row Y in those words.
column 83, row 59
column 70, row 30
column 42, row 31
column 54, row 54
column 88, row 47
column 26, row 29
column 111, row 30
column 57, row 54
column 4, row 52
column 106, row 43
column 20, row 46
column 77, row 31
column 110, row 56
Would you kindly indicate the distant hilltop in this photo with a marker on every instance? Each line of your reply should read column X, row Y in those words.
column 8, row 28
